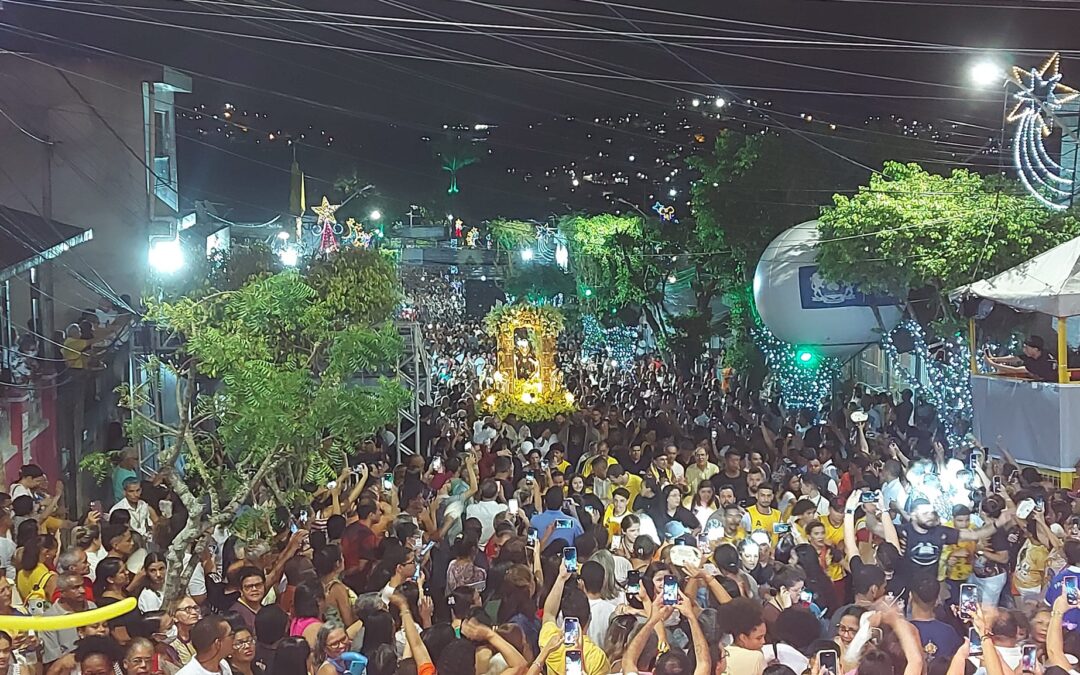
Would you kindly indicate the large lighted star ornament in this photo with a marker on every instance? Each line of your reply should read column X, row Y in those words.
column 1041, row 92
column 325, row 212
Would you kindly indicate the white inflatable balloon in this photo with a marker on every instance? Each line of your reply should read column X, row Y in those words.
column 801, row 307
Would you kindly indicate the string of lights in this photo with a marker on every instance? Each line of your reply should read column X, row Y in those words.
column 947, row 383
column 804, row 379
column 617, row 344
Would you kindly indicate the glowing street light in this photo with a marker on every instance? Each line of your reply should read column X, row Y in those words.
column 527, row 254
column 289, row 256
column 986, row 74
column 376, row 214
column 166, row 255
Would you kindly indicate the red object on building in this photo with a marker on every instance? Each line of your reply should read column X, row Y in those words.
column 28, row 428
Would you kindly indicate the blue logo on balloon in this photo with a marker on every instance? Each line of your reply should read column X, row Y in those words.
column 817, row 292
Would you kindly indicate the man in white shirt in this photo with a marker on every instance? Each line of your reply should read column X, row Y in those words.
column 486, row 509
column 143, row 519
column 212, row 639
column 601, row 610
column 892, row 490
column 484, row 431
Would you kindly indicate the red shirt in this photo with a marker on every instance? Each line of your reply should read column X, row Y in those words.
column 87, row 585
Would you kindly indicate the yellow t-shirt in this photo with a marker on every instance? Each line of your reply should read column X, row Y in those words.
column 957, row 568
column 586, row 470
column 694, row 475
column 73, row 352
column 633, row 486
column 1031, row 565
column 734, row 539
column 834, row 536
column 32, row 584
column 593, row 659
column 613, row 523
column 762, row 521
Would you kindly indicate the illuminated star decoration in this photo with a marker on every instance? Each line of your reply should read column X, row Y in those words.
column 325, row 211
column 1041, row 95
column 667, row 213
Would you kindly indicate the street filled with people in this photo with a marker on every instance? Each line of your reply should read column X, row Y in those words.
column 677, row 522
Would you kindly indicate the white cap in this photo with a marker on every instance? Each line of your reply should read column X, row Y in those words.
column 526, row 447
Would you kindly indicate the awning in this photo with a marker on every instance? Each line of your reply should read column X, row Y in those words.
column 1048, row 283
column 27, row 240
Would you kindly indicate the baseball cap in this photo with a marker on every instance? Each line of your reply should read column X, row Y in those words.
column 1035, row 341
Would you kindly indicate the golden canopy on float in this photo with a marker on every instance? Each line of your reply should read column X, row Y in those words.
column 526, row 382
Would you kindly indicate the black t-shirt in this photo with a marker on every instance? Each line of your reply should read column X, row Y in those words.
column 1042, row 368
column 923, row 550
column 738, row 485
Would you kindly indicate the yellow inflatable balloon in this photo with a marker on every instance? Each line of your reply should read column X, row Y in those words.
column 47, row 623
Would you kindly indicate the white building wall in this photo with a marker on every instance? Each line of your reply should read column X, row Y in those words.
column 98, row 178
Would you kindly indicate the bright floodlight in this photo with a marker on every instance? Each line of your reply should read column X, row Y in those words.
column 527, row 254
column 289, row 256
column 376, row 214
column 166, row 255
column 283, row 235
column 986, row 74
column 719, row 102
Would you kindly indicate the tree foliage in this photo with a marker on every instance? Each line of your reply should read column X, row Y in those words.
column 909, row 229
column 614, row 260
column 277, row 379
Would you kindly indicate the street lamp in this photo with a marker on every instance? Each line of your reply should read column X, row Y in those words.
column 166, row 255
column 289, row 256
column 376, row 214
column 986, row 74
column 526, row 254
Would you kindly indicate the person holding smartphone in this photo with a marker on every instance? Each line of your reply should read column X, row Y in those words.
column 574, row 604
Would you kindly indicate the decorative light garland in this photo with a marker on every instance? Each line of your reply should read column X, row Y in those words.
column 327, row 221
column 617, row 344
column 802, row 385
column 1041, row 95
column 948, row 386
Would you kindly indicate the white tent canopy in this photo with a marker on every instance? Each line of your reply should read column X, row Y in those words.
column 1048, row 283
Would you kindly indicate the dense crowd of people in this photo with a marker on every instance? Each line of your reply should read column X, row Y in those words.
column 674, row 523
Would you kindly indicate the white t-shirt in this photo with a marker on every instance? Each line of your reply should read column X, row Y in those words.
column 20, row 490
column 485, row 512
column 7, row 549
column 600, row 610
column 149, row 600
column 93, row 558
column 195, row 668
column 140, row 516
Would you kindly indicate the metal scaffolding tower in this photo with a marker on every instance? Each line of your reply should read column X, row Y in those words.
column 414, row 373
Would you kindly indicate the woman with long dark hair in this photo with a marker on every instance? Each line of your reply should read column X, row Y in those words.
column 110, row 581
column 151, row 595
column 35, row 579
column 293, row 657
column 669, row 508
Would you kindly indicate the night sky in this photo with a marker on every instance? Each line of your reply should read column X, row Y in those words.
column 380, row 76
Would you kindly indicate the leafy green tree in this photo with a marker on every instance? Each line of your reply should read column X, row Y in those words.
column 540, row 283
column 616, row 264
column 908, row 229
column 511, row 237
column 751, row 188
column 274, row 386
